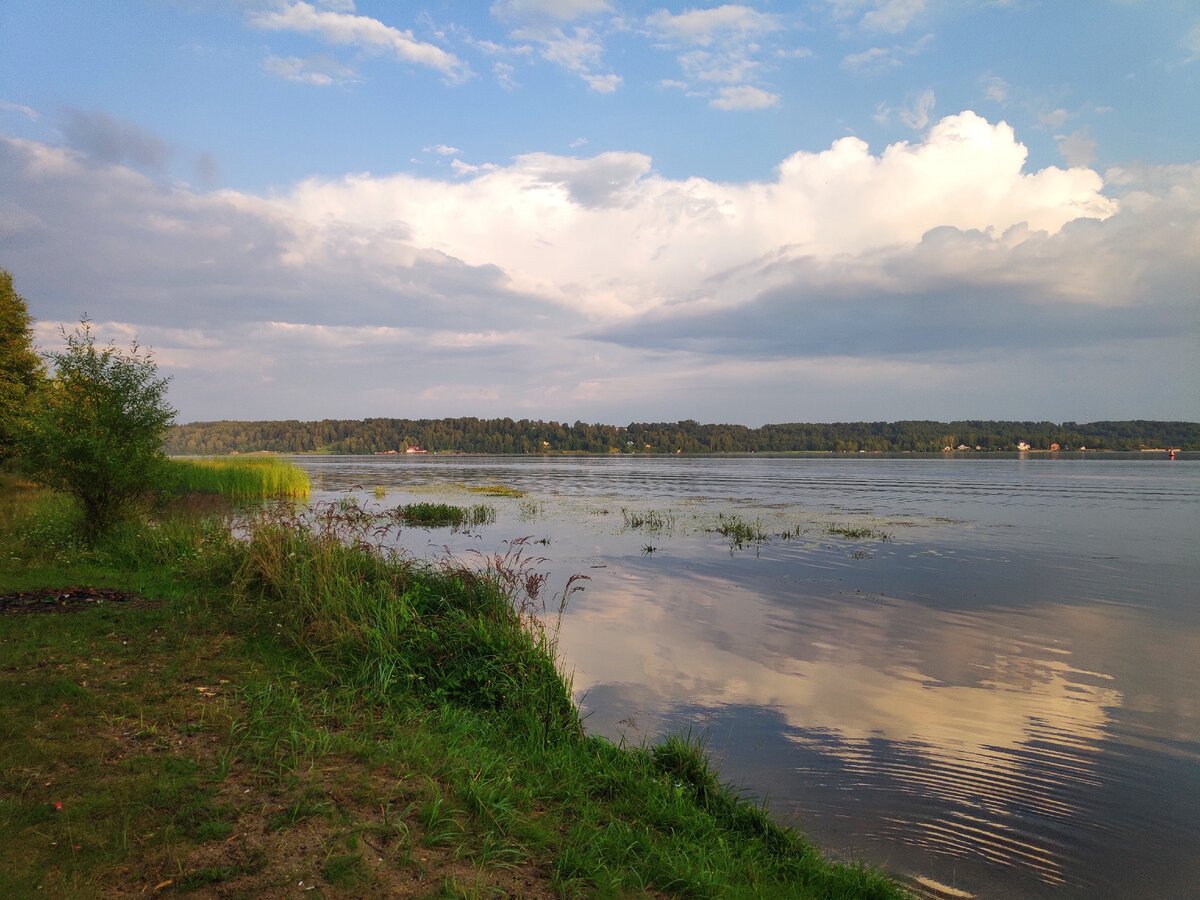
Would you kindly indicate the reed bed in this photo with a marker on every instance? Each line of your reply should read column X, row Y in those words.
column 242, row 478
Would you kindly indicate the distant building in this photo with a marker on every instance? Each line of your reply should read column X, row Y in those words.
column 415, row 450
column 1022, row 446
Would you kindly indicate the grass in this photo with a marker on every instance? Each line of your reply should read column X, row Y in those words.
column 652, row 520
column 739, row 531
column 239, row 478
column 496, row 490
column 437, row 515
column 858, row 533
column 300, row 707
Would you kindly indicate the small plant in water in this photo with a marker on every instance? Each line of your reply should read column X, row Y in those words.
column 440, row 515
column 651, row 519
column 861, row 533
column 380, row 493
column 647, row 549
column 496, row 490
column 739, row 531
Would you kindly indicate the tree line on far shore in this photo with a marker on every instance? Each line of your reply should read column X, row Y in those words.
column 474, row 435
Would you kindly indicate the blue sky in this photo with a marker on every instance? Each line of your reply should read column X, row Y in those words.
column 589, row 209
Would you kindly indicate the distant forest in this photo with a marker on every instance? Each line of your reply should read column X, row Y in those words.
column 471, row 435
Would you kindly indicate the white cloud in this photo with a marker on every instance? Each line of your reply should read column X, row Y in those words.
column 704, row 27
column 743, row 97
column 443, row 150
column 914, row 113
column 721, row 45
column 943, row 247
column 556, row 10
column 996, row 89
column 1054, row 118
column 1077, row 148
column 579, row 52
column 876, row 60
column 504, row 73
column 321, row 71
column 891, row 16
column 1191, row 43
column 603, row 84
column 360, row 31
column 27, row 111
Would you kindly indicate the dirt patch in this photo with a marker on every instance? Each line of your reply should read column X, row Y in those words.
column 71, row 599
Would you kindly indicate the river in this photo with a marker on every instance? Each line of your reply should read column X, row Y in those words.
column 982, row 674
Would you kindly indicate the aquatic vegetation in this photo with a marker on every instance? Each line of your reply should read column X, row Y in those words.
column 529, row 510
column 496, row 490
column 380, row 493
column 238, row 478
column 858, row 533
column 739, row 531
column 650, row 520
column 647, row 549
column 438, row 515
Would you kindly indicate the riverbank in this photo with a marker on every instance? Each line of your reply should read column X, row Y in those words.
column 286, row 712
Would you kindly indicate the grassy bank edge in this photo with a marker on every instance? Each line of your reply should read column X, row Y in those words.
column 434, row 688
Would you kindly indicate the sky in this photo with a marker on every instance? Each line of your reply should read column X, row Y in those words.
column 611, row 211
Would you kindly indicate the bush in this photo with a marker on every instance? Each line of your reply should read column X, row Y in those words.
column 97, row 428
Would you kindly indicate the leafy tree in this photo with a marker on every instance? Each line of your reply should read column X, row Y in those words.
column 98, row 427
column 21, row 369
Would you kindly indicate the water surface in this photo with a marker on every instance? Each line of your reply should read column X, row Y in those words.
column 1000, row 698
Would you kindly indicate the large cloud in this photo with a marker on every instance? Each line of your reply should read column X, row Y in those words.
column 597, row 288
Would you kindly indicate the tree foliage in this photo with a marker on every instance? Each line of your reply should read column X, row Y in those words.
column 471, row 435
column 97, row 429
column 21, row 369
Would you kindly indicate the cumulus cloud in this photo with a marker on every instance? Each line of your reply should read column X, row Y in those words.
column 350, row 29
column 111, row 140
column 570, row 280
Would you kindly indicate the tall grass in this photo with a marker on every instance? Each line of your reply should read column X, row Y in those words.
column 243, row 478
column 454, row 633
column 449, row 671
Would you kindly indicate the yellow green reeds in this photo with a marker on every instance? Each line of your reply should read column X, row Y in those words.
column 242, row 478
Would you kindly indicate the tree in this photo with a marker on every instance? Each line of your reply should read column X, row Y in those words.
column 98, row 426
column 21, row 369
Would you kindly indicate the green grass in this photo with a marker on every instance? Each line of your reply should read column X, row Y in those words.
column 496, row 490
column 652, row 520
column 739, row 531
column 300, row 706
column 858, row 533
column 238, row 478
column 436, row 515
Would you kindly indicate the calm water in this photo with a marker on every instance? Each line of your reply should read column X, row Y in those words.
column 1002, row 699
